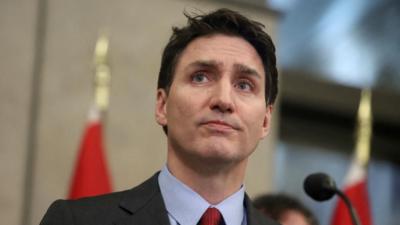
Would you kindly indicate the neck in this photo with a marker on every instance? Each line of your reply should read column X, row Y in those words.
column 213, row 183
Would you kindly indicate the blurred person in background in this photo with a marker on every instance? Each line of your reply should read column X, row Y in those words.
column 284, row 208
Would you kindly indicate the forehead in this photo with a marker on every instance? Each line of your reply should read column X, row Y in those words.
column 226, row 51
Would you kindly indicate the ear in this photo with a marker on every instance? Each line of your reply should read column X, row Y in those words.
column 267, row 121
column 161, row 107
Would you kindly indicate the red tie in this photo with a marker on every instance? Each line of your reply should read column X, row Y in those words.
column 212, row 216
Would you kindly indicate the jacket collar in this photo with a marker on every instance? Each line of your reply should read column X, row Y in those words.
column 145, row 205
column 254, row 217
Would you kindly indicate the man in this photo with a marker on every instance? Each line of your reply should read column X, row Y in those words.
column 216, row 88
column 286, row 209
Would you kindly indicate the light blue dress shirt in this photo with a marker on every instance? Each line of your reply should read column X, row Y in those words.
column 185, row 206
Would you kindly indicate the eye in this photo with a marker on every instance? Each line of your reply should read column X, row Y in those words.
column 199, row 78
column 244, row 85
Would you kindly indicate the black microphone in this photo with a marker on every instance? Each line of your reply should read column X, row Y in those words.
column 321, row 187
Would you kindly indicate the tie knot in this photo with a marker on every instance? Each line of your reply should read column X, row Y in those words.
column 211, row 216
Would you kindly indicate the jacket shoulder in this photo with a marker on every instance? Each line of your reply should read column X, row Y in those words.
column 102, row 209
column 88, row 210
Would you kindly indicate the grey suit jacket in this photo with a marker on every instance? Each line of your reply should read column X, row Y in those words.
column 142, row 205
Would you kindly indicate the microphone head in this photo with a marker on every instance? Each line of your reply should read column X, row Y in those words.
column 319, row 186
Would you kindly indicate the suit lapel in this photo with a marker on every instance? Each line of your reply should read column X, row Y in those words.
column 254, row 217
column 144, row 205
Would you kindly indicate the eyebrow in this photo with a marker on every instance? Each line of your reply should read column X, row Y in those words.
column 213, row 64
column 243, row 69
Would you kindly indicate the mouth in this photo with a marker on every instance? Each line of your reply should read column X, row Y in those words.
column 219, row 125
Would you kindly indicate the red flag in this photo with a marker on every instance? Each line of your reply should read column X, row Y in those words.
column 356, row 189
column 91, row 175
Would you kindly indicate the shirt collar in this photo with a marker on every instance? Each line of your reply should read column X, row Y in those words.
column 186, row 206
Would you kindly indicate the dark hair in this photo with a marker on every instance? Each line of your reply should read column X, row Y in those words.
column 275, row 205
column 222, row 21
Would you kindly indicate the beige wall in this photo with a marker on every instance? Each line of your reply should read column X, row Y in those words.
column 135, row 143
column 17, row 26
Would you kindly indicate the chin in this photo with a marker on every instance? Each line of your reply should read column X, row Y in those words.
column 221, row 154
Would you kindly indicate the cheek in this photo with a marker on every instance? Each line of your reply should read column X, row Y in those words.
column 255, row 120
column 180, row 108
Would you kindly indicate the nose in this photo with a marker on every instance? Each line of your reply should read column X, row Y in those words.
column 221, row 98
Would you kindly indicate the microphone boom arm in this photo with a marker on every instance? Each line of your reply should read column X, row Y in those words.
column 352, row 211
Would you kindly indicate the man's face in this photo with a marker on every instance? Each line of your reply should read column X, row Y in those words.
column 215, row 109
column 293, row 217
